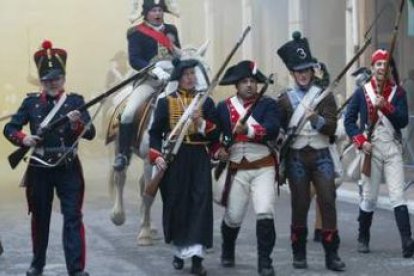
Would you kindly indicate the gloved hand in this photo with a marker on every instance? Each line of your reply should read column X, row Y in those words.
column 31, row 140
column 160, row 74
column 165, row 65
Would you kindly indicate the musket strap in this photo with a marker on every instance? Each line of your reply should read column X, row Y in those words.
column 241, row 110
column 369, row 90
column 300, row 110
column 54, row 110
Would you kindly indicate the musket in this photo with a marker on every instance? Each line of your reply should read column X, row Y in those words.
column 374, row 22
column 366, row 168
column 5, row 117
column 367, row 32
column 228, row 140
column 16, row 156
column 173, row 145
column 332, row 86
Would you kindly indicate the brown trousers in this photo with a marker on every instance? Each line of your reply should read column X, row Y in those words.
column 306, row 166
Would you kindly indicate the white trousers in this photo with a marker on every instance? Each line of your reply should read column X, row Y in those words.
column 386, row 164
column 259, row 184
column 139, row 95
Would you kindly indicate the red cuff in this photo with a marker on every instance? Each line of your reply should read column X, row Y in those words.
column 153, row 154
column 210, row 126
column 388, row 108
column 359, row 140
column 17, row 137
column 259, row 133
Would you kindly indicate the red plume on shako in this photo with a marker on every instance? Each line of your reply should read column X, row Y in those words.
column 47, row 44
column 50, row 62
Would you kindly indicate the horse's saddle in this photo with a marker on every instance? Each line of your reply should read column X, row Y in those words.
column 141, row 120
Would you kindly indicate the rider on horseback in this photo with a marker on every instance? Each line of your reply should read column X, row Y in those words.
column 150, row 41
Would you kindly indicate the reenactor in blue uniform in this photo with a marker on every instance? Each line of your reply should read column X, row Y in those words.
column 148, row 42
column 186, row 186
column 389, row 113
column 251, row 172
column 308, row 157
column 54, row 164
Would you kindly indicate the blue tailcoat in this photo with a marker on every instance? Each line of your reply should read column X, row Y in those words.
column 66, row 178
column 357, row 109
column 142, row 48
column 266, row 113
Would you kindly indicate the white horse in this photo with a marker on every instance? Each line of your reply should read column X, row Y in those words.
column 141, row 144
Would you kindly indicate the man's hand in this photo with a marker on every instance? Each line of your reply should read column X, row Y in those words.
column 197, row 118
column 31, row 140
column 240, row 128
column 222, row 154
column 160, row 74
column 74, row 116
column 380, row 102
column 160, row 163
column 164, row 65
column 367, row 148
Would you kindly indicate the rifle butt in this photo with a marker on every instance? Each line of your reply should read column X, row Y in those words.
column 16, row 156
column 152, row 187
column 366, row 166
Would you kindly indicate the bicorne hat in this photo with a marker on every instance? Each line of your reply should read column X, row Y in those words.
column 180, row 66
column 149, row 4
column 296, row 53
column 244, row 69
column 50, row 62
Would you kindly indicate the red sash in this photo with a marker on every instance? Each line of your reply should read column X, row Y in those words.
column 160, row 37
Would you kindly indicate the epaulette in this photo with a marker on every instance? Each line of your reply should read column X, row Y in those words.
column 33, row 94
column 132, row 30
column 170, row 27
column 73, row 94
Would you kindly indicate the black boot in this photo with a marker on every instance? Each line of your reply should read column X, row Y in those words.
column 266, row 237
column 125, row 140
column 330, row 241
column 33, row 271
column 178, row 263
column 229, row 236
column 365, row 221
column 403, row 222
column 298, row 238
column 1, row 249
column 197, row 267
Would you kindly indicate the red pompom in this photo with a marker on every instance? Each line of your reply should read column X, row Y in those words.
column 47, row 44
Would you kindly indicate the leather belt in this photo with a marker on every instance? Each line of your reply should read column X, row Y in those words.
column 267, row 161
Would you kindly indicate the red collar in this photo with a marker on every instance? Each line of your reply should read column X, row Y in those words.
column 247, row 102
column 387, row 88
